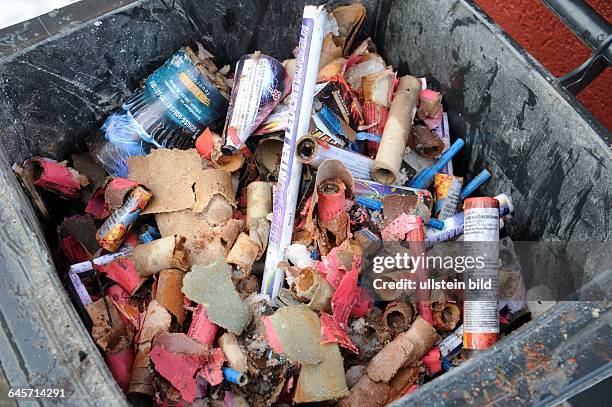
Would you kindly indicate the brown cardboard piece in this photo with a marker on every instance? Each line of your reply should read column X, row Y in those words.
column 170, row 174
column 157, row 255
column 406, row 349
column 169, row 294
column 299, row 333
column 204, row 242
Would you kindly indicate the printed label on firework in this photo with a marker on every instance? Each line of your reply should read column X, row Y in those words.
column 481, row 224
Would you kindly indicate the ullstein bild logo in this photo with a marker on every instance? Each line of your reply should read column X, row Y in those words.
column 404, row 261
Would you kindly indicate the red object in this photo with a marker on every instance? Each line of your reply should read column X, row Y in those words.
column 416, row 237
column 400, row 227
column 201, row 328
column 211, row 371
column 96, row 206
column 205, row 144
column 180, row 370
column 331, row 268
column 120, row 366
column 545, row 37
column 121, row 184
column 375, row 116
column 330, row 203
column 332, row 332
column 432, row 361
column 344, row 297
column 55, row 177
column 123, row 272
column 363, row 303
column 119, row 295
column 480, row 202
column 73, row 250
column 271, row 336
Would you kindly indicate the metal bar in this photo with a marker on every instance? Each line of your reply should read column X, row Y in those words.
column 585, row 22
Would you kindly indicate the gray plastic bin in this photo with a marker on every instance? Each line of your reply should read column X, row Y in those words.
column 62, row 73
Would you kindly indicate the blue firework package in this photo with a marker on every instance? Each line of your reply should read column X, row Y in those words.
column 177, row 102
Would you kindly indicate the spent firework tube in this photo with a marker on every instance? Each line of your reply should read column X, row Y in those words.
column 369, row 203
column 54, row 176
column 315, row 26
column 424, row 178
column 447, row 189
column 480, row 308
column 313, row 151
column 475, row 183
column 331, row 195
column 260, row 83
column 201, row 328
column 416, row 237
column 114, row 230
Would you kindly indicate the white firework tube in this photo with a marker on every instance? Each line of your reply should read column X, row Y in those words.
column 314, row 27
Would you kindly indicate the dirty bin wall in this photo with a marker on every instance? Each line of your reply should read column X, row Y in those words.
column 54, row 93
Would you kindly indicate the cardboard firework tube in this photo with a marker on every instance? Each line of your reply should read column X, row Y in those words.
column 165, row 253
column 331, row 194
column 229, row 163
column 268, row 156
column 55, row 177
column 367, row 393
column 201, row 329
column 447, row 189
column 113, row 231
column 120, row 365
column 235, row 355
column 311, row 286
column 260, row 83
column 416, row 237
column 169, row 294
column 243, row 252
column 480, row 308
column 404, row 378
column 156, row 320
column 397, row 130
column 406, row 349
column 448, row 318
column 259, row 205
column 311, row 151
column 397, row 316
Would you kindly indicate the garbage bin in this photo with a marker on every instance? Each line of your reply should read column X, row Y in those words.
column 61, row 74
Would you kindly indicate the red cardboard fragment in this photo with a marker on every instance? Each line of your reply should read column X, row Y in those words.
column 55, row 176
column 201, row 329
column 73, row 250
column 271, row 336
column 180, row 370
column 399, row 227
column 211, row 371
column 432, row 361
column 331, row 331
column 96, row 206
column 123, row 272
column 120, row 366
column 363, row 303
column 344, row 297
